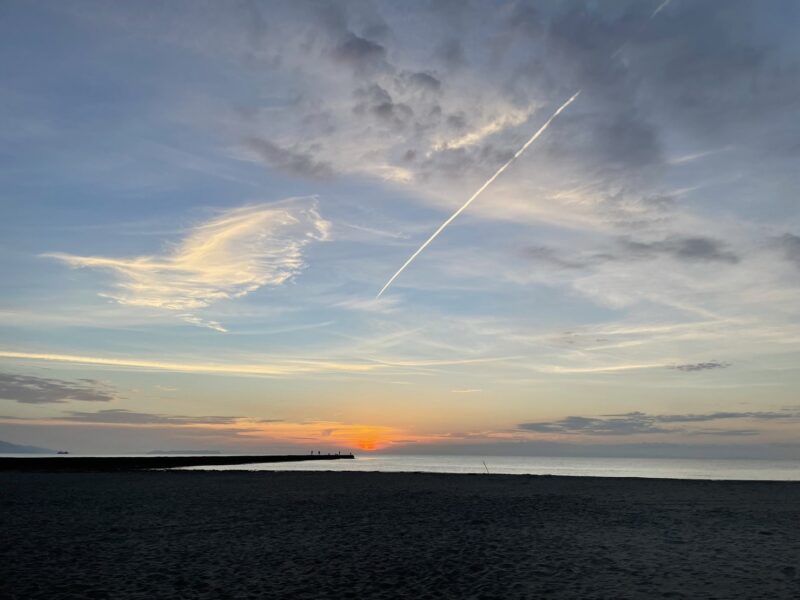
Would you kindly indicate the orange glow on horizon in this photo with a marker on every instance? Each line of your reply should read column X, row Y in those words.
column 366, row 438
column 304, row 435
column 367, row 445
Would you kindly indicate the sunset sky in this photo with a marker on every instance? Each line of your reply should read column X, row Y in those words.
column 200, row 201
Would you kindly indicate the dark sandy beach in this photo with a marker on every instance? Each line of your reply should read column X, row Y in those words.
column 298, row 535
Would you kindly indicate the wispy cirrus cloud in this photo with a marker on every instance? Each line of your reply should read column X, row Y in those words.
column 264, row 369
column 233, row 254
column 600, row 369
column 285, row 367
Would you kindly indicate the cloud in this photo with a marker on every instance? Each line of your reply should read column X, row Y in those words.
column 630, row 424
column 634, row 423
column 687, row 249
column 551, row 256
column 603, row 369
column 790, row 244
column 282, row 368
column 289, row 161
column 680, row 248
column 503, row 122
column 790, row 414
column 28, row 389
column 425, row 82
column 263, row 368
column 451, row 53
column 375, row 101
column 361, row 54
column 522, row 58
column 233, row 254
column 127, row 417
column 717, row 96
column 703, row 366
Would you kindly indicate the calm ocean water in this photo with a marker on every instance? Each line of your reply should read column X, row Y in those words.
column 778, row 470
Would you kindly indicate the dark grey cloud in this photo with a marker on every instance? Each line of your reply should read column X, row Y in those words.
column 611, row 144
column 787, row 414
column 551, row 256
column 28, row 389
column 687, row 249
column 629, row 424
column 254, row 22
column 457, row 121
column 362, row 55
column 451, row 53
column 607, row 135
column 789, row 243
column 525, row 21
column 702, row 366
column 425, row 82
column 634, row 423
column 722, row 68
column 696, row 67
column 289, row 161
column 375, row 101
column 709, row 70
column 127, row 417
column 684, row 249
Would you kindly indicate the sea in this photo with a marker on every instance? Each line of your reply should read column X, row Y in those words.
column 662, row 468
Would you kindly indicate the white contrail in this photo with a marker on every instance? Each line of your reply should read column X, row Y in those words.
column 661, row 7
column 658, row 9
column 534, row 137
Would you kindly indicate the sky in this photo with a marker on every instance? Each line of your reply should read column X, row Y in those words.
column 200, row 202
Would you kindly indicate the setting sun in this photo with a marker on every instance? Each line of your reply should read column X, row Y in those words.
column 368, row 444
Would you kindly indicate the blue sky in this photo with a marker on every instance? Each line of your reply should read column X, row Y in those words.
column 200, row 202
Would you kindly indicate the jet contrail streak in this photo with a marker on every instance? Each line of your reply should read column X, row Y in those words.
column 534, row 137
column 661, row 7
column 658, row 9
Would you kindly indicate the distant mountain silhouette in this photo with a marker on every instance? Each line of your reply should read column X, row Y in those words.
column 9, row 448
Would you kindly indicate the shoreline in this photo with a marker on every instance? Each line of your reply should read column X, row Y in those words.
column 200, row 469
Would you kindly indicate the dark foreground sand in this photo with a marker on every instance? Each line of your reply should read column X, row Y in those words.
column 153, row 535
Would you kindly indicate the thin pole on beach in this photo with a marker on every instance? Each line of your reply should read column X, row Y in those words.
column 485, row 467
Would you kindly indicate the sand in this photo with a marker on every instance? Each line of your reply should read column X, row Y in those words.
column 301, row 535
